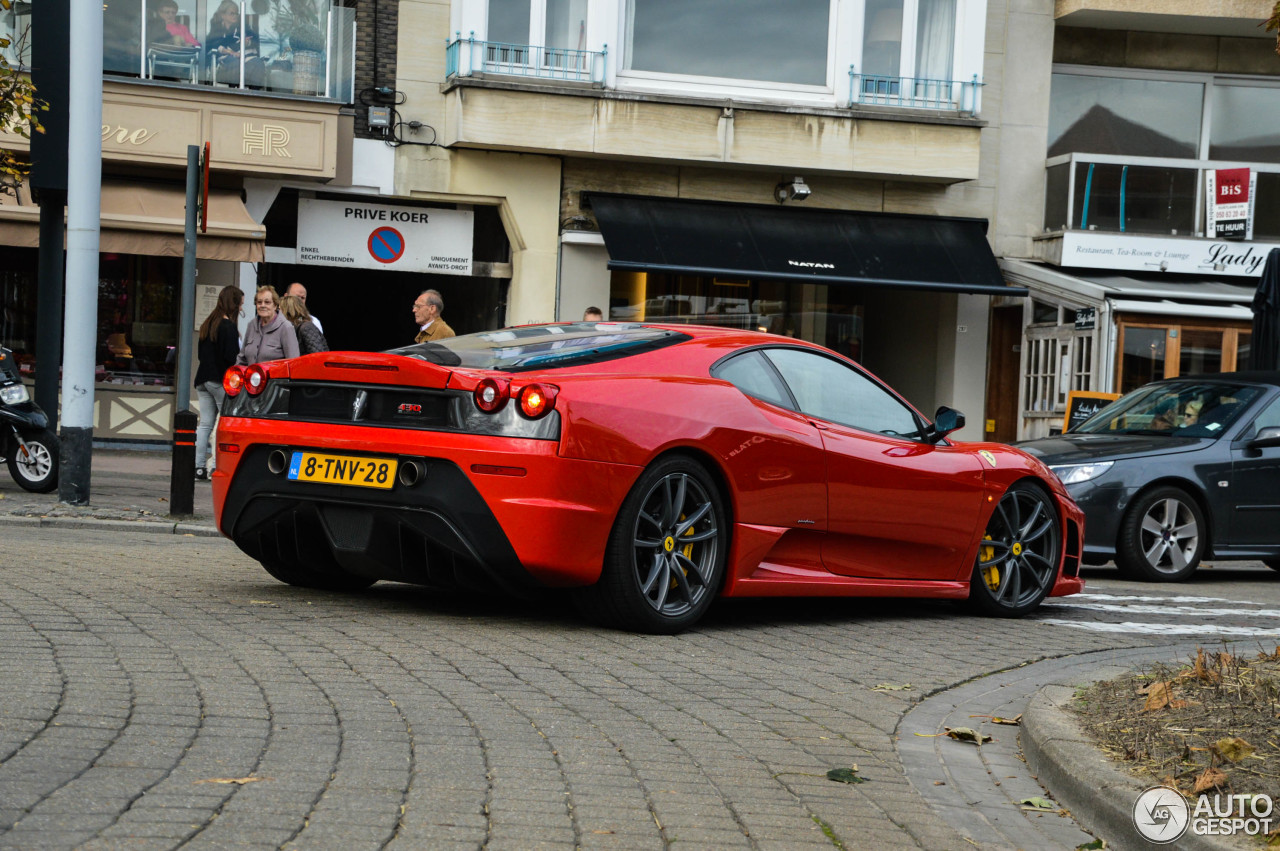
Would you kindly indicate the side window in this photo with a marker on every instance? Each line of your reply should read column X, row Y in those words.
column 829, row 390
column 751, row 374
column 1270, row 416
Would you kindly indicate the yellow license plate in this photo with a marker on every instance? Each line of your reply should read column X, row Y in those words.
column 342, row 470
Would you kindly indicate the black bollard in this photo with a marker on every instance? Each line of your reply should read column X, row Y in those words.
column 182, row 476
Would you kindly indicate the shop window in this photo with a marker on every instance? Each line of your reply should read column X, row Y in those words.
column 829, row 316
column 1043, row 312
column 1042, row 375
column 1152, row 352
column 137, row 319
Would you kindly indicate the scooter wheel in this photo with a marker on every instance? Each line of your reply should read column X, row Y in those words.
column 37, row 471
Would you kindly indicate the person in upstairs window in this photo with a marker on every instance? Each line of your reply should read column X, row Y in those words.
column 227, row 41
column 175, row 33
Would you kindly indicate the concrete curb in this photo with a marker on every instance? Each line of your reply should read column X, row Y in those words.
column 1099, row 795
column 153, row 527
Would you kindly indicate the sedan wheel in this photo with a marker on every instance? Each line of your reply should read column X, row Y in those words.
column 666, row 553
column 1162, row 538
column 1018, row 560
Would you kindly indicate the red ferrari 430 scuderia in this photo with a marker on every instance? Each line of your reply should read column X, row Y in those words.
column 645, row 469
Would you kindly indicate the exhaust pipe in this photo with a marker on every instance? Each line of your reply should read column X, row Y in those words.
column 277, row 461
column 410, row 473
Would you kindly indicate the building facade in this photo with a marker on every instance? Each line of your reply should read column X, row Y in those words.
column 1161, row 201
column 829, row 169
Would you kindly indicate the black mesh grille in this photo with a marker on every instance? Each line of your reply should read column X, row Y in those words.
column 405, row 407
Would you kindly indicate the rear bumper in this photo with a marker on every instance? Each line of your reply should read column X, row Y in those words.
column 542, row 521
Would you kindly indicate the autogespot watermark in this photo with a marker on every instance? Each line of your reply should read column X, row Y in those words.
column 1162, row 815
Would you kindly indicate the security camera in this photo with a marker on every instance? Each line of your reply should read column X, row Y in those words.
column 796, row 190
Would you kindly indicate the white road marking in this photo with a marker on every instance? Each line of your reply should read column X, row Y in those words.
column 1159, row 599
column 1169, row 628
column 1145, row 609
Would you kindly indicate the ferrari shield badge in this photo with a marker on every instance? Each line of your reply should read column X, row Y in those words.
column 988, row 457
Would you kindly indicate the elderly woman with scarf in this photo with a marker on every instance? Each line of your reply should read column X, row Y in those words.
column 269, row 335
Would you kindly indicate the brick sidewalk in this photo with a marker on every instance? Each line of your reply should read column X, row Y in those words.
column 125, row 487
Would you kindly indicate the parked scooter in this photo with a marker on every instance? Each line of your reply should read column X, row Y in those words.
column 25, row 440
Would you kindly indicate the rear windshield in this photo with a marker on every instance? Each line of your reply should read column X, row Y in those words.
column 543, row 346
column 1176, row 409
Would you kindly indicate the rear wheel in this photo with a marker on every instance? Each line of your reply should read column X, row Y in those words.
column 666, row 554
column 327, row 580
column 1162, row 537
column 1018, row 560
column 36, row 468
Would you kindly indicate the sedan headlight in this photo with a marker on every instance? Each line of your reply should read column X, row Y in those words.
column 14, row 394
column 1074, row 474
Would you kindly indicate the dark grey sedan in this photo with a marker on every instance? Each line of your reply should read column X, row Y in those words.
column 1177, row 471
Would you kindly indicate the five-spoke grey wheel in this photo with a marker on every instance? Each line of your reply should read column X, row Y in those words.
column 667, row 551
column 1018, row 559
column 1162, row 537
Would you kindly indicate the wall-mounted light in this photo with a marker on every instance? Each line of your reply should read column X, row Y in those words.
column 796, row 190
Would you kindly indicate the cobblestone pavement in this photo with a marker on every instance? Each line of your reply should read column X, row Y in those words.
column 162, row 691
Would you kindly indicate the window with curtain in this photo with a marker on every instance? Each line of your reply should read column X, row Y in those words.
column 935, row 39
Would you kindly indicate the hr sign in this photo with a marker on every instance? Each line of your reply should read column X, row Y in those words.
column 384, row 236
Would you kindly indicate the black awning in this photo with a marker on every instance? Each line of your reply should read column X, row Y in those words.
column 794, row 244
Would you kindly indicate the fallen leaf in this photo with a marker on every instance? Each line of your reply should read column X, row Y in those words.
column 1203, row 672
column 891, row 687
column 238, row 781
column 845, row 775
column 1158, row 695
column 602, row 831
column 966, row 734
column 1233, row 748
column 939, row 783
column 1095, row 845
column 1038, row 803
column 1210, row 779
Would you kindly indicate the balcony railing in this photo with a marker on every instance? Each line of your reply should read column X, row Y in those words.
column 467, row 56
column 915, row 92
column 303, row 48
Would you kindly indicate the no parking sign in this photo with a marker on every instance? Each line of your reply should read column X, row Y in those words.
column 385, row 236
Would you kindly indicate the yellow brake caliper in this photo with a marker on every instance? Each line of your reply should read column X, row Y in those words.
column 990, row 573
column 687, row 550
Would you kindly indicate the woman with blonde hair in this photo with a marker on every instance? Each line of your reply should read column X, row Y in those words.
column 219, row 346
column 310, row 339
column 269, row 335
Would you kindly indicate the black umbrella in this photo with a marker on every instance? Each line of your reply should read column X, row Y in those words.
column 1264, row 347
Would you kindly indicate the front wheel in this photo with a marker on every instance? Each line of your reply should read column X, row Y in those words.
column 666, row 553
column 1162, row 537
column 1018, row 560
column 35, row 468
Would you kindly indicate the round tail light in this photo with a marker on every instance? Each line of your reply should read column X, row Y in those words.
column 233, row 380
column 491, row 394
column 255, row 379
column 537, row 399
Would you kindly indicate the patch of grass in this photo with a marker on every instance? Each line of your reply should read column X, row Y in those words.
column 1215, row 721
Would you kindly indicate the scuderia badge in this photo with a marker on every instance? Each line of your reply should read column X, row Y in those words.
column 988, row 457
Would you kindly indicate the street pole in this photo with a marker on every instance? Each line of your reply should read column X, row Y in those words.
column 182, row 471
column 84, row 202
column 50, row 70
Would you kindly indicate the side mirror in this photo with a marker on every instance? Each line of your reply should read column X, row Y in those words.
column 945, row 421
column 1269, row 436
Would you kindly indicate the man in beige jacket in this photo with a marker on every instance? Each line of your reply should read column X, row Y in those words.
column 426, row 312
